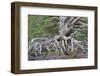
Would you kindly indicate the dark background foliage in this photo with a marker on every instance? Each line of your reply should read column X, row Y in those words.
column 47, row 26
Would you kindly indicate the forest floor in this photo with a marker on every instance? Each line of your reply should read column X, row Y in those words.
column 54, row 56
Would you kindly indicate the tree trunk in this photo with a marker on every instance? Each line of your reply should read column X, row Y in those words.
column 61, row 42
